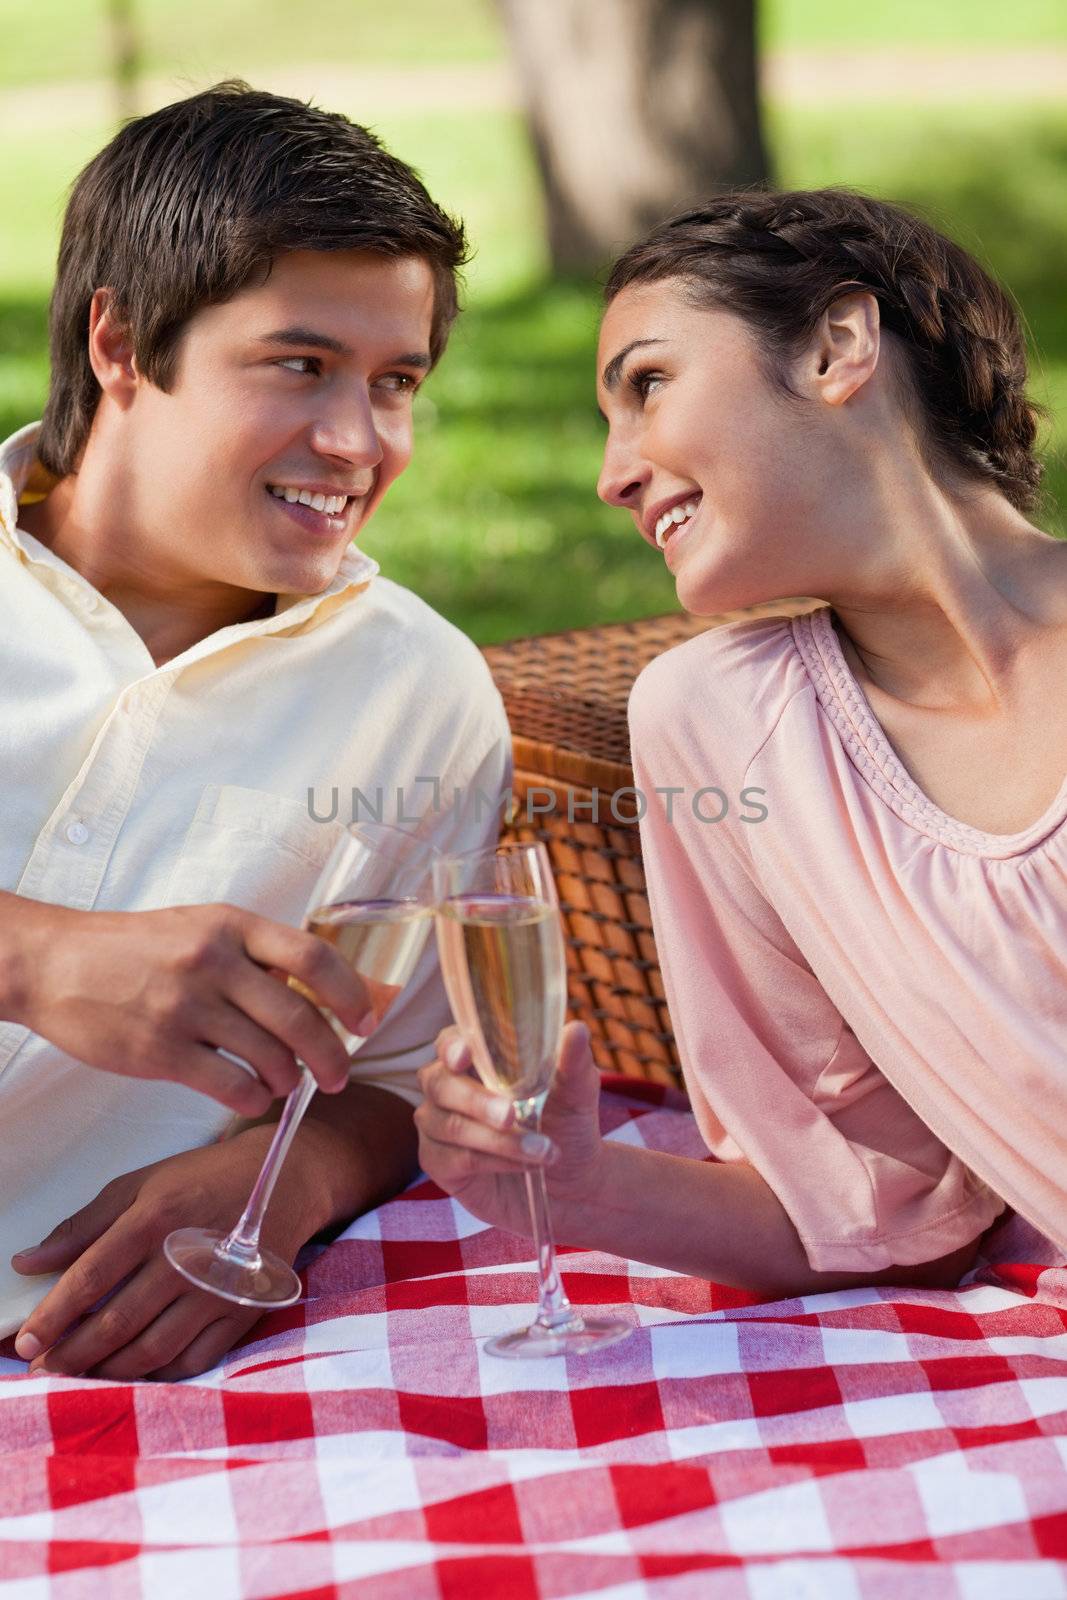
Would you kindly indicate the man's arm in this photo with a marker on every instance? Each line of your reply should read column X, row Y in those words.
column 355, row 1150
column 158, row 994
column 351, row 1152
column 20, row 921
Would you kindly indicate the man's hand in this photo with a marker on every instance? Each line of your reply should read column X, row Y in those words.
column 470, row 1146
column 157, row 994
column 156, row 1325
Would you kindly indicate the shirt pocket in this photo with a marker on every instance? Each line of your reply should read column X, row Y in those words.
column 248, row 848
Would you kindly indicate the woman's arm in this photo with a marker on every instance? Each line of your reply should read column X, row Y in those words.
column 719, row 1221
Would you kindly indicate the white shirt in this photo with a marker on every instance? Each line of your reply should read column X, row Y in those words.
column 127, row 786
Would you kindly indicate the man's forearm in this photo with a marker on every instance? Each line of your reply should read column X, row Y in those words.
column 716, row 1220
column 352, row 1151
column 22, row 923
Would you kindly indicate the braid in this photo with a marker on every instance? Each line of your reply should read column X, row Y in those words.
column 779, row 260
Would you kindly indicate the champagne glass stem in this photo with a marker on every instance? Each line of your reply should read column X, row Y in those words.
column 244, row 1240
column 554, row 1310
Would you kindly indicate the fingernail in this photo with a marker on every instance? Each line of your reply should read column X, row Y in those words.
column 500, row 1112
column 455, row 1052
column 536, row 1145
column 27, row 1346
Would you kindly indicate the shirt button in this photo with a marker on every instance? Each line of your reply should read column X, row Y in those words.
column 77, row 832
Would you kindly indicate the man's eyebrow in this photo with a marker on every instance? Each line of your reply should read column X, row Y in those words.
column 611, row 372
column 309, row 339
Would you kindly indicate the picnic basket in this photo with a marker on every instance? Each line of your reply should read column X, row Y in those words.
column 565, row 696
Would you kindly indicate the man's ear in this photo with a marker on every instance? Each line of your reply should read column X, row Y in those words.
column 844, row 352
column 111, row 350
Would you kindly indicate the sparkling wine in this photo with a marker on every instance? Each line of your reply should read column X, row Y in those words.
column 504, row 968
column 381, row 940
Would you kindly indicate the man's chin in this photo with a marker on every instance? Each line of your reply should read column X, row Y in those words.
column 292, row 578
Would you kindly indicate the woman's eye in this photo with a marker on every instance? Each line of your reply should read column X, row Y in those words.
column 642, row 381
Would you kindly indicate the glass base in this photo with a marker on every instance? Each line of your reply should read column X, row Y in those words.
column 577, row 1338
column 265, row 1280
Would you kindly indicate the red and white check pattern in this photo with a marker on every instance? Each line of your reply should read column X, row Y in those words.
column 870, row 1445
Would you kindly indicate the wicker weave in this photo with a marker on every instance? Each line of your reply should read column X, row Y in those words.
column 566, row 696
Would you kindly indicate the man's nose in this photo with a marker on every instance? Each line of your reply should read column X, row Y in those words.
column 348, row 430
column 621, row 478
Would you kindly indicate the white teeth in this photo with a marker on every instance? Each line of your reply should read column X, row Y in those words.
column 674, row 518
column 332, row 504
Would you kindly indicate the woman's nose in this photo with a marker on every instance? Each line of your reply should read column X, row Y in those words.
column 620, row 480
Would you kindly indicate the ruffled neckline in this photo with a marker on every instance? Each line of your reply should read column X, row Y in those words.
column 874, row 757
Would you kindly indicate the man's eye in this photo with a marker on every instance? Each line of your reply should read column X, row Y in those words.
column 398, row 382
column 302, row 364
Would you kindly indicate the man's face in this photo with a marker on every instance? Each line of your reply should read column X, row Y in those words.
column 301, row 385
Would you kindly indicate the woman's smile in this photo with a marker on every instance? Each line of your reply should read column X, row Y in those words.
column 665, row 523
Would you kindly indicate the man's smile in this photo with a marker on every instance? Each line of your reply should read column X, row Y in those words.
column 316, row 507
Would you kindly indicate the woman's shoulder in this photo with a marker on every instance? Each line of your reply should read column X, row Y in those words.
column 730, row 683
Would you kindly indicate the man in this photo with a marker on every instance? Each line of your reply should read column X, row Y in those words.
column 249, row 294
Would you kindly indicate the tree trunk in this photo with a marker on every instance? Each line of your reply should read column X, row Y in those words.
column 637, row 108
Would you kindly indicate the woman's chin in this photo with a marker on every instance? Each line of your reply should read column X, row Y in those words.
column 708, row 594
column 703, row 597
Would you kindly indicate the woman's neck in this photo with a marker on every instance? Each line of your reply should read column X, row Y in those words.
column 946, row 615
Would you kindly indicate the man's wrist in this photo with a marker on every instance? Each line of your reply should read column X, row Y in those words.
column 351, row 1152
column 302, row 1195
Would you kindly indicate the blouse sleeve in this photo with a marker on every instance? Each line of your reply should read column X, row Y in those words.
column 774, row 1071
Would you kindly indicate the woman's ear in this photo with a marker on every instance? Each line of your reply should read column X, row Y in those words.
column 111, row 352
column 844, row 352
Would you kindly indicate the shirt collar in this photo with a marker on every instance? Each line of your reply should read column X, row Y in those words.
column 22, row 476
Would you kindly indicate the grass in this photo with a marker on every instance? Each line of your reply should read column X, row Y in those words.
column 64, row 40
column 497, row 523
column 978, row 24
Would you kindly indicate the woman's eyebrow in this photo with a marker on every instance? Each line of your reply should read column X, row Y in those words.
column 610, row 376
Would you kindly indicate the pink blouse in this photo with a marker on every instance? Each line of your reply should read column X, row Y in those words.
column 869, row 997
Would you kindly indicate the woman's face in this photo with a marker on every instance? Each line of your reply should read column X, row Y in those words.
column 720, row 469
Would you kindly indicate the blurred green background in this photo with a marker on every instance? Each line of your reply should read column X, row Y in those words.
column 497, row 523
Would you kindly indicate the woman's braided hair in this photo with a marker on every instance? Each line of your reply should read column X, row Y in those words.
column 779, row 260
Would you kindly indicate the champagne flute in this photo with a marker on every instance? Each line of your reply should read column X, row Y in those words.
column 500, row 938
column 373, row 902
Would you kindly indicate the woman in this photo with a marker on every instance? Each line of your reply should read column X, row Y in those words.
column 817, row 394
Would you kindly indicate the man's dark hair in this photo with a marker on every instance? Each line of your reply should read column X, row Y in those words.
column 779, row 260
column 188, row 205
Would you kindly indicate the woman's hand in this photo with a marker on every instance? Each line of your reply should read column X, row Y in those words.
column 470, row 1146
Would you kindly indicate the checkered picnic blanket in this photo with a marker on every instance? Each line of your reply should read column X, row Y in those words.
column 877, row 1444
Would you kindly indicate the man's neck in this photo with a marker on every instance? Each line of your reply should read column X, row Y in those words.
column 170, row 620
